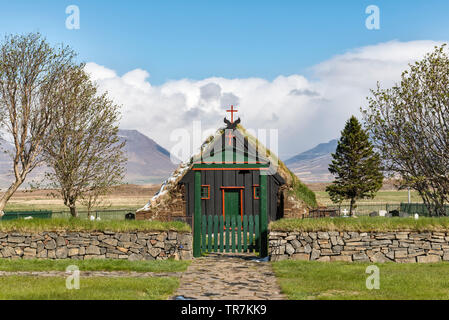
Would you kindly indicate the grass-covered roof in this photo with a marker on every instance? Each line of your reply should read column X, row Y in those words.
column 170, row 188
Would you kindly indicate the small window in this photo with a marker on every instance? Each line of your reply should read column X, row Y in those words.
column 205, row 192
column 256, row 191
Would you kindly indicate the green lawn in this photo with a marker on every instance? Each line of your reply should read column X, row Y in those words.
column 94, row 265
column 362, row 224
column 305, row 280
column 74, row 224
column 91, row 288
column 54, row 288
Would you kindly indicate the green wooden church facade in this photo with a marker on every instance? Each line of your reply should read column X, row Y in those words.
column 232, row 193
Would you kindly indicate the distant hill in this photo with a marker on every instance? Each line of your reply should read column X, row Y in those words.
column 6, row 173
column 148, row 162
column 312, row 165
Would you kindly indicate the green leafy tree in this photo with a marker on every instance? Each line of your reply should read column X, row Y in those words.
column 355, row 165
column 409, row 125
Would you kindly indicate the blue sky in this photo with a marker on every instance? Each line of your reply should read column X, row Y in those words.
column 232, row 39
column 300, row 67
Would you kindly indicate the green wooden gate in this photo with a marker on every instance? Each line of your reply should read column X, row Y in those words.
column 230, row 234
column 235, row 233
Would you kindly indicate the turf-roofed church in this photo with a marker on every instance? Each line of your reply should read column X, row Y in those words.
column 226, row 178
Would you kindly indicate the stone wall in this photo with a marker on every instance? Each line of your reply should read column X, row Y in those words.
column 96, row 245
column 404, row 246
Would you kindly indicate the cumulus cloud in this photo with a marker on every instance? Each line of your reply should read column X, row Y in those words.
column 228, row 99
column 210, row 91
column 304, row 92
column 305, row 111
column 98, row 72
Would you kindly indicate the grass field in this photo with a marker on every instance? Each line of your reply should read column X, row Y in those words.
column 310, row 280
column 100, row 288
column 132, row 197
column 130, row 204
column 94, row 265
column 125, row 196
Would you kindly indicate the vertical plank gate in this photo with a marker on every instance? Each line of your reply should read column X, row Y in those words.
column 215, row 233
column 230, row 235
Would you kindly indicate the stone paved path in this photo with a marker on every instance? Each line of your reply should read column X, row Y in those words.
column 229, row 277
column 112, row 274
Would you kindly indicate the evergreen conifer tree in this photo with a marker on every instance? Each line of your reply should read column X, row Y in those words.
column 355, row 165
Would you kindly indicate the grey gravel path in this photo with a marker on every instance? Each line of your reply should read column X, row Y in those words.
column 229, row 277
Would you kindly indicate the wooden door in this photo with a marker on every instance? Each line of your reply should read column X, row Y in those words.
column 232, row 203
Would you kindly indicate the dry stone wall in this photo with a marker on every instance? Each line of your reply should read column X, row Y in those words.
column 405, row 247
column 96, row 245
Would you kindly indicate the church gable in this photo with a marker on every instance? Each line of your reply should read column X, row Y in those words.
column 232, row 146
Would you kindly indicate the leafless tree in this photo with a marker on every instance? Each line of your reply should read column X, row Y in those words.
column 30, row 89
column 85, row 154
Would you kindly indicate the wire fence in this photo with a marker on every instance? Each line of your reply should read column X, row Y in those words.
column 11, row 215
column 101, row 214
column 329, row 211
column 104, row 214
column 420, row 208
column 365, row 209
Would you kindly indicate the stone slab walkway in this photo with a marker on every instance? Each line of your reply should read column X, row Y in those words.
column 229, row 277
column 112, row 274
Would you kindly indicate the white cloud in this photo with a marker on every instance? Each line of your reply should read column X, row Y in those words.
column 98, row 72
column 306, row 112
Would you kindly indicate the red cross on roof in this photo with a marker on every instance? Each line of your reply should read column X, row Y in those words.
column 232, row 110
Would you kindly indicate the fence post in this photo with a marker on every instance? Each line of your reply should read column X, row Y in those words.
column 197, row 216
column 263, row 238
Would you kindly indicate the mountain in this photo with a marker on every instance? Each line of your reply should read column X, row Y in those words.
column 147, row 162
column 312, row 165
column 6, row 173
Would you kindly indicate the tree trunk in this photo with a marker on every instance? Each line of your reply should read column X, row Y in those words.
column 73, row 211
column 351, row 206
column 89, row 210
column 440, row 209
column 8, row 194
